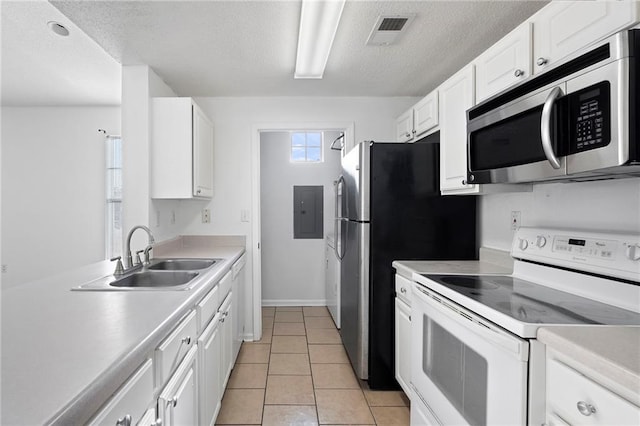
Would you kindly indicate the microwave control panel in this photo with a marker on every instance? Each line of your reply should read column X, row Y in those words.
column 590, row 118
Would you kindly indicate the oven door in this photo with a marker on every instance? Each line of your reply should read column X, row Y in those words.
column 465, row 369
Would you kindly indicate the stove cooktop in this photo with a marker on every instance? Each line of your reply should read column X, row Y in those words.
column 532, row 303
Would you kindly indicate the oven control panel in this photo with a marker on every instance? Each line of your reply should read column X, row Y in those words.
column 609, row 254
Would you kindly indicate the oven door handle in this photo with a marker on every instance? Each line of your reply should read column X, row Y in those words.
column 473, row 323
column 545, row 127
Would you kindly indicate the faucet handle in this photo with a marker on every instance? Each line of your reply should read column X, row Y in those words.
column 119, row 268
column 137, row 260
column 146, row 254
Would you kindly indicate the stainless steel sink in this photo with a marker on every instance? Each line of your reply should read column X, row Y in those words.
column 155, row 279
column 182, row 264
column 162, row 274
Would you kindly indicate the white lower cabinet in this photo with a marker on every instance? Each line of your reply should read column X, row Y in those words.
column 403, row 334
column 178, row 402
column 209, row 391
column 575, row 397
column 226, row 334
column 150, row 418
column 128, row 404
column 403, row 345
column 238, row 289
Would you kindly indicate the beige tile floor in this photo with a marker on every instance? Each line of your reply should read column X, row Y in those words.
column 299, row 374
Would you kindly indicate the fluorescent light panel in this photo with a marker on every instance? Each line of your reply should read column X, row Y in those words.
column 318, row 25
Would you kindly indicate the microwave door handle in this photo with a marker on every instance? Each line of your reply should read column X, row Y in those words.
column 545, row 127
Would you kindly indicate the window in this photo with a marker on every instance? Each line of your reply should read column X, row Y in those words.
column 306, row 147
column 113, row 214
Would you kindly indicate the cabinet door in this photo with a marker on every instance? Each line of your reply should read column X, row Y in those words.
column 150, row 418
column 178, row 402
column 129, row 403
column 202, row 154
column 456, row 96
column 561, row 28
column 504, row 64
column 425, row 114
column 226, row 336
column 404, row 126
column 238, row 290
column 209, row 391
column 403, row 345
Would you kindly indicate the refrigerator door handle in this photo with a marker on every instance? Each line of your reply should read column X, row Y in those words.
column 338, row 245
column 339, row 197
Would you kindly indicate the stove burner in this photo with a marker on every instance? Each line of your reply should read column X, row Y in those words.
column 470, row 282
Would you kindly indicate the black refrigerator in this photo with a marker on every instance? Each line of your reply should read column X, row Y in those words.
column 389, row 207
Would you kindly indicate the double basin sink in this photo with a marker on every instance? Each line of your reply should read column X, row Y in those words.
column 161, row 274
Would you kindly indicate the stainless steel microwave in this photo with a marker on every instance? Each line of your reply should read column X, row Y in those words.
column 579, row 120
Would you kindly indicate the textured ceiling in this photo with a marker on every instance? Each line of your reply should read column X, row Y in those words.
column 42, row 68
column 247, row 48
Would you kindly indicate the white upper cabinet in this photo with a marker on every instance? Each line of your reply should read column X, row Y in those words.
column 181, row 150
column 561, row 28
column 425, row 114
column 419, row 119
column 504, row 64
column 456, row 97
column 202, row 154
column 404, row 126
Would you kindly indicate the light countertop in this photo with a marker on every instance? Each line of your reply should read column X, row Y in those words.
column 491, row 262
column 65, row 352
column 613, row 352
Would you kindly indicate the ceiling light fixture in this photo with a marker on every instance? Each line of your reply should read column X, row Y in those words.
column 57, row 28
column 319, row 21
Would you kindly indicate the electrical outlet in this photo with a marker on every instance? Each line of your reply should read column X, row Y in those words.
column 515, row 220
column 206, row 216
column 173, row 217
column 244, row 215
column 4, row 269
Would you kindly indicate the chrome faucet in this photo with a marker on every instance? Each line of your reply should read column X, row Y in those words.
column 129, row 259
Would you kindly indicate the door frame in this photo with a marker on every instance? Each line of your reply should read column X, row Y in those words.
column 348, row 127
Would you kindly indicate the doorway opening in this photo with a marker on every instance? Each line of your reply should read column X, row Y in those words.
column 293, row 188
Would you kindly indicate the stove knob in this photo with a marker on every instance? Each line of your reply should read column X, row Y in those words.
column 523, row 244
column 540, row 241
column 633, row 252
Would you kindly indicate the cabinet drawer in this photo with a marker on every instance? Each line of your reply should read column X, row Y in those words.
column 207, row 308
column 566, row 388
column 225, row 285
column 132, row 399
column 171, row 351
column 403, row 289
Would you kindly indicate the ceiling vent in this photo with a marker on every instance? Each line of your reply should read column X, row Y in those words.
column 388, row 28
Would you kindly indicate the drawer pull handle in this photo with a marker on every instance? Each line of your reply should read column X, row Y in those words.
column 585, row 409
column 186, row 340
column 403, row 290
column 518, row 73
column 541, row 61
column 124, row 421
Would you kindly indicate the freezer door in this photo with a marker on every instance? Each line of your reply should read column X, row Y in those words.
column 354, row 295
column 355, row 171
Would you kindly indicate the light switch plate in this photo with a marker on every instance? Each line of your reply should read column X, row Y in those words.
column 515, row 220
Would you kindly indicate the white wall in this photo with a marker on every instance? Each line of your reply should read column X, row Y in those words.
column 293, row 269
column 607, row 205
column 53, row 188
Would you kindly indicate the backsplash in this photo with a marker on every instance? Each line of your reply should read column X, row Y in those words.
column 606, row 205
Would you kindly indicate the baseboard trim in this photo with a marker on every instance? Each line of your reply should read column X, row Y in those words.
column 289, row 302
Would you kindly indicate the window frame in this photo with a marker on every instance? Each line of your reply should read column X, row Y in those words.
column 306, row 147
column 113, row 196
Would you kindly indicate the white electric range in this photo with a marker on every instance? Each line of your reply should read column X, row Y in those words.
column 480, row 362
